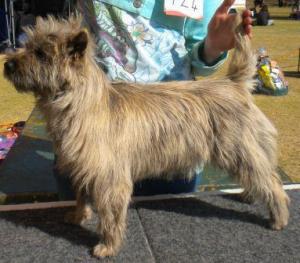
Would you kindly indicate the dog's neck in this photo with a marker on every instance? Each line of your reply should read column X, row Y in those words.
column 87, row 95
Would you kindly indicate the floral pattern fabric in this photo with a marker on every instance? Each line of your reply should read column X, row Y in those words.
column 136, row 49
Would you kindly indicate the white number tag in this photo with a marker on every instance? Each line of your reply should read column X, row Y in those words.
column 239, row 4
column 189, row 8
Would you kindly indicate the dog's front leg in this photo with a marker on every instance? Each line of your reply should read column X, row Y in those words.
column 112, row 204
column 82, row 212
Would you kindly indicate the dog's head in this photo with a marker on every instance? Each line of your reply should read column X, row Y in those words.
column 55, row 54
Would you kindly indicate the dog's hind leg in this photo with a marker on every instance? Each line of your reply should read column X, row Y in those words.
column 262, row 181
column 253, row 164
column 112, row 203
column 278, row 204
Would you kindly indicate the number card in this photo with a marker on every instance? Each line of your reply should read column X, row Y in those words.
column 239, row 4
column 186, row 8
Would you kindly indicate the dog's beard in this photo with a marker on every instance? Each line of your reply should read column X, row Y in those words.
column 20, row 84
column 23, row 84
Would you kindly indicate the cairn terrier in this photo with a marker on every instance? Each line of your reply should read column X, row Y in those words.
column 109, row 135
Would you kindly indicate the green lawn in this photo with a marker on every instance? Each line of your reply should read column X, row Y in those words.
column 282, row 41
column 13, row 106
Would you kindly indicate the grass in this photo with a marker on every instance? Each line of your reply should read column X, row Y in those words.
column 13, row 106
column 282, row 41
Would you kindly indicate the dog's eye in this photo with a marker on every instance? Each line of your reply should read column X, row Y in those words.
column 40, row 54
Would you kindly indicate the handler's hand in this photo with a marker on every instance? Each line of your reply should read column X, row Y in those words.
column 220, row 36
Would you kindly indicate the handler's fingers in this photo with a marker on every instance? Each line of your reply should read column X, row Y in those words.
column 248, row 30
column 247, row 13
column 225, row 6
column 247, row 21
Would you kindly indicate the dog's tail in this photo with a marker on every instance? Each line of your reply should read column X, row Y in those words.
column 242, row 66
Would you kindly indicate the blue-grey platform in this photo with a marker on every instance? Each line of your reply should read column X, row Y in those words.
column 27, row 173
column 211, row 228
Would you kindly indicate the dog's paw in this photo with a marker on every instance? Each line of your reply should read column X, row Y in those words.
column 279, row 217
column 246, row 198
column 72, row 218
column 279, row 224
column 102, row 251
column 76, row 218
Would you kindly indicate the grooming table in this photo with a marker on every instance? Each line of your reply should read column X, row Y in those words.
column 26, row 175
column 211, row 227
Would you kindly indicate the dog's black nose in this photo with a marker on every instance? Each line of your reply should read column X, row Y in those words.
column 10, row 66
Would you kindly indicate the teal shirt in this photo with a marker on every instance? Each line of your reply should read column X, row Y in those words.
column 146, row 45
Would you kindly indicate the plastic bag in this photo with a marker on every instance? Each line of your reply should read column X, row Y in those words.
column 270, row 78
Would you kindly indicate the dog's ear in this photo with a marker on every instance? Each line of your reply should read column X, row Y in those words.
column 77, row 44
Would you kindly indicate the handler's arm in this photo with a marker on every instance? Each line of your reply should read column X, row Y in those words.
column 209, row 51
